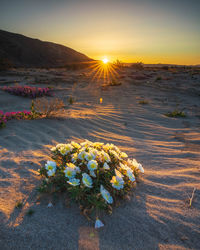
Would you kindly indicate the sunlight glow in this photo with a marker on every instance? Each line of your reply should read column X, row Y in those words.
column 105, row 60
column 105, row 72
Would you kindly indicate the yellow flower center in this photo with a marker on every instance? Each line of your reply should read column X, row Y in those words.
column 116, row 183
column 87, row 182
column 93, row 165
column 69, row 173
column 107, row 197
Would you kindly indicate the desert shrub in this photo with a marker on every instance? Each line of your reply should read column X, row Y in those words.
column 114, row 82
column 19, row 204
column 137, row 66
column 71, row 100
column 143, row 102
column 5, row 64
column 95, row 174
column 158, row 78
column 78, row 65
column 165, row 67
column 176, row 113
column 27, row 91
column 118, row 64
column 47, row 107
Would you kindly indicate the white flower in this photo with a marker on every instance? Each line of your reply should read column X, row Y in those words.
column 82, row 155
column 75, row 145
column 137, row 165
column 92, row 173
column 50, row 205
column 106, row 166
column 134, row 163
column 86, row 143
column 74, row 182
column 70, row 171
column 130, row 175
column 74, row 157
column 123, row 155
column 141, row 168
column 106, row 195
column 115, row 154
column 122, row 166
column 53, row 149
column 107, row 147
column 117, row 173
column 88, row 156
column 105, row 156
column 51, row 172
column 65, row 149
column 93, row 153
column 117, row 182
column 92, row 165
column 50, row 166
column 59, row 145
column 87, row 180
column 98, row 223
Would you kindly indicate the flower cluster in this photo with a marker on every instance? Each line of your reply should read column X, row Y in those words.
column 28, row 91
column 3, row 119
column 95, row 174
column 19, row 115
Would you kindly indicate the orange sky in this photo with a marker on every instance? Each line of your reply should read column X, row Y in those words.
column 150, row 31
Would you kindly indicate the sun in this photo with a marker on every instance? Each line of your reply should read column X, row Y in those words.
column 105, row 60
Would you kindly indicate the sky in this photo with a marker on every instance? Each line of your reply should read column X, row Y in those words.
column 148, row 31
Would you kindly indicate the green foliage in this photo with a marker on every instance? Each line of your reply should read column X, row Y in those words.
column 19, row 204
column 176, row 113
column 158, row 78
column 71, row 100
column 30, row 212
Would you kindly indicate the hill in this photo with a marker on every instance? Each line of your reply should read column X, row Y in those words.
column 22, row 51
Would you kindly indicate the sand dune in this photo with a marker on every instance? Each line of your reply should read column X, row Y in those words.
column 157, row 216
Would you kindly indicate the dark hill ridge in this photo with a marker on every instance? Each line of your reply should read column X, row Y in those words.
column 24, row 51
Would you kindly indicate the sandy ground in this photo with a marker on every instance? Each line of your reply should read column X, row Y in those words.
column 157, row 215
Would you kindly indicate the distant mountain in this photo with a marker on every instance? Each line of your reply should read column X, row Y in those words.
column 22, row 51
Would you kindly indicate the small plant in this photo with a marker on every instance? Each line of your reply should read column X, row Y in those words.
column 71, row 100
column 5, row 64
column 176, row 113
column 165, row 67
column 143, row 102
column 30, row 212
column 137, row 66
column 19, row 204
column 118, row 64
column 114, row 82
column 95, row 174
column 19, row 115
column 48, row 108
column 26, row 91
column 3, row 119
column 159, row 78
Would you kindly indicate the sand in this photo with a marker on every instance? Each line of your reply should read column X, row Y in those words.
column 157, row 216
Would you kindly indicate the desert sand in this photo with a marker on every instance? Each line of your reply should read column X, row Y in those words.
column 157, row 215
